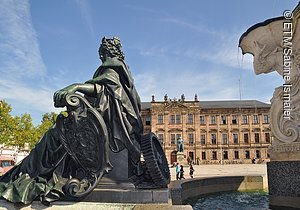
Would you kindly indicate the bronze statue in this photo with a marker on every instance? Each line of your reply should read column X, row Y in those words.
column 72, row 156
column 180, row 145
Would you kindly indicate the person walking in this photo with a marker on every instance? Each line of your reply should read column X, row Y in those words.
column 177, row 170
column 181, row 172
column 191, row 171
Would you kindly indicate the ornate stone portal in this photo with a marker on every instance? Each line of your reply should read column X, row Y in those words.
column 275, row 45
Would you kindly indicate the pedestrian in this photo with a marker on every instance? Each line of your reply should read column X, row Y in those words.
column 189, row 160
column 177, row 170
column 192, row 171
column 181, row 172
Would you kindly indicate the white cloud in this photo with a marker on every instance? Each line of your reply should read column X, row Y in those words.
column 33, row 99
column 196, row 27
column 19, row 48
column 229, row 55
column 21, row 61
column 85, row 12
column 210, row 85
column 225, row 52
column 146, row 10
column 156, row 51
column 212, row 73
column 146, row 85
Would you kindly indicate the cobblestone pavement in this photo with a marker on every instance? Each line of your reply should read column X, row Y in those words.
column 223, row 170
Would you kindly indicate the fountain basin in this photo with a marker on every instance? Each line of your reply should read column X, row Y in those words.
column 182, row 190
column 257, row 200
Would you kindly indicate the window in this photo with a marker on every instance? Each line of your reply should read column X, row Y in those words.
column 257, row 153
column 203, row 155
column 213, row 138
column 190, row 119
column 191, row 138
column 256, row 137
column 223, row 120
column 214, row 155
column 235, row 138
column 224, row 138
column 161, row 138
column 245, row 119
column 173, row 138
column 225, row 155
column 267, row 137
column 202, row 120
column 247, row 154
column 213, row 119
column 236, row 155
column 178, row 121
column 160, row 119
column 202, row 139
column 266, row 118
column 246, row 138
column 255, row 119
column 172, row 119
column 148, row 121
column 234, row 119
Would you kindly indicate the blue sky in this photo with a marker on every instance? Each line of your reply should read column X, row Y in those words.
column 172, row 47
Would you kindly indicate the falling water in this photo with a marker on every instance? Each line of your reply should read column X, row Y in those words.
column 240, row 65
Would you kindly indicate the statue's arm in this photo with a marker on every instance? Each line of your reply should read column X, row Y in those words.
column 86, row 88
column 60, row 95
column 89, row 88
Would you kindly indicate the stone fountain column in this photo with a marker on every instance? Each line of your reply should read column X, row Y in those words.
column 275, row 45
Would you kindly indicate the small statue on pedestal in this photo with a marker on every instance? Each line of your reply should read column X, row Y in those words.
column 180, row 145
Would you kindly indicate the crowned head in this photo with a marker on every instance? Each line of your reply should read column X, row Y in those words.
column 111, row 48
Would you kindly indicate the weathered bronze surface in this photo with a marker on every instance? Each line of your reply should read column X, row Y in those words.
column 180, row 145
column 72, row 157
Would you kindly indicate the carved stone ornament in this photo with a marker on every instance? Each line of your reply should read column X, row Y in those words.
column 275, row 45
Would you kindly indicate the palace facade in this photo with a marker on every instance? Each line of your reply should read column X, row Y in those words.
column 214, row 132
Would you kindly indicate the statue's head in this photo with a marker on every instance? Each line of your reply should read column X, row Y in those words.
column 110, row 48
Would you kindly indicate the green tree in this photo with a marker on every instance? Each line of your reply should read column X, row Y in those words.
column 7, row 123
column 48, row 120
column 25, row 131
column 18, row 130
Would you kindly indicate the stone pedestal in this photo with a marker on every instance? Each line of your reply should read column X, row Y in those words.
column 120, row 166
column 123, row 194
column 115, row 187
column 284, row 175
column 181, row 158
column 118, row 177
column 69, row 205
column 284, row 184
column 285, row 152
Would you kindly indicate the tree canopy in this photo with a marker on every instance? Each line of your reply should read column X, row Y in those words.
column 18, row 130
